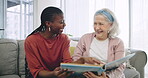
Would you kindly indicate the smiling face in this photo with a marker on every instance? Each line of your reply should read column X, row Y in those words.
column 57, row 26
column 101, row 27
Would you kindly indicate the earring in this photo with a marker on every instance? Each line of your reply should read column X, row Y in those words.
column 108, row 31
column 49, row 28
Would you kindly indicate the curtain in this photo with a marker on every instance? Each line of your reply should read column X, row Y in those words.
column 139, row 26
column 79, row 16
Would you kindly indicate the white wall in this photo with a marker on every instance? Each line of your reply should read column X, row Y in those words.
column 39, row 6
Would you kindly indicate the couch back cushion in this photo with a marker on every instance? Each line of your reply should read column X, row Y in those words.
column 8, row 56
column 139, row 61
column 21, row 57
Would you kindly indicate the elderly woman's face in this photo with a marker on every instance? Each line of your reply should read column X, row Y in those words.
column 101, row 26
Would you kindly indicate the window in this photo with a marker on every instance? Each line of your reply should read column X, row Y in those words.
column 18, row 20
column 1, row 18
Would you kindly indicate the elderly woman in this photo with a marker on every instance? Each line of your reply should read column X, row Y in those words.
column 102, row 44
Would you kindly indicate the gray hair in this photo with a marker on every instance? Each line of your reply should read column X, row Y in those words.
column 114, row 30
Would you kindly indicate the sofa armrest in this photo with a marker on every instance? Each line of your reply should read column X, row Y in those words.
column 138, row 61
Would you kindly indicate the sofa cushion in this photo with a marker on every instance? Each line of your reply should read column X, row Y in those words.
column 21, row 57
column 10, row 76
column 22, row 76
column 131, row 73
column 8, row 56
column 139, row 61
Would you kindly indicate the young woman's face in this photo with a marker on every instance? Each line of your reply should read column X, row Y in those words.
column 58, row 24
column 101, row 26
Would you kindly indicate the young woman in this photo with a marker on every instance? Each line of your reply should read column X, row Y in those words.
column 46, row 47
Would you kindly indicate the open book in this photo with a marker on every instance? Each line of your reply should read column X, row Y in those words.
column 96, row 68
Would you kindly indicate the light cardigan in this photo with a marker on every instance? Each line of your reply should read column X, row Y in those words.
column 115, row 51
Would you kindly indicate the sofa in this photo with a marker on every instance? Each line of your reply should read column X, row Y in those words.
column 12, row 59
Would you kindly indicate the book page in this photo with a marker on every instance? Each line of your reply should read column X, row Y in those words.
column 117, row 63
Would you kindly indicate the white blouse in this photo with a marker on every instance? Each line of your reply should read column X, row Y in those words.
column 99, row 49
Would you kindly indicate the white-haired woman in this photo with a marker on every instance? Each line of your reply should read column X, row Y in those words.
column 102, row 44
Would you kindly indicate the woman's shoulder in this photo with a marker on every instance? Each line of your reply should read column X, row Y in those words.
column 116, row 40
column 63, row 36
column 32, row 37
column 88, row 35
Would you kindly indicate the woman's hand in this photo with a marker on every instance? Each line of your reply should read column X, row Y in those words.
column 56, row 73
column 62, row 73
column 90, row 60
column 92, row 75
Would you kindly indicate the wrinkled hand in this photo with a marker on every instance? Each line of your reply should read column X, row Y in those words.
column 92, row 60
column 91, row 75
column 62, row 73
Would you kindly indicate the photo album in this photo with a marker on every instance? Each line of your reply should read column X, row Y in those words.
column 96, row 68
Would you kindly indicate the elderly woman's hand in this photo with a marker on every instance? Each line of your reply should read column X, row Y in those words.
column 89, row 60
column 92, row 60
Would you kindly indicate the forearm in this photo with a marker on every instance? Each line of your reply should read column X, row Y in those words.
column 79, row 61
column 46, row 74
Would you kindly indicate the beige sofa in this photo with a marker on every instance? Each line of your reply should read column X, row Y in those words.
column 12, row 58
column 12, row 63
